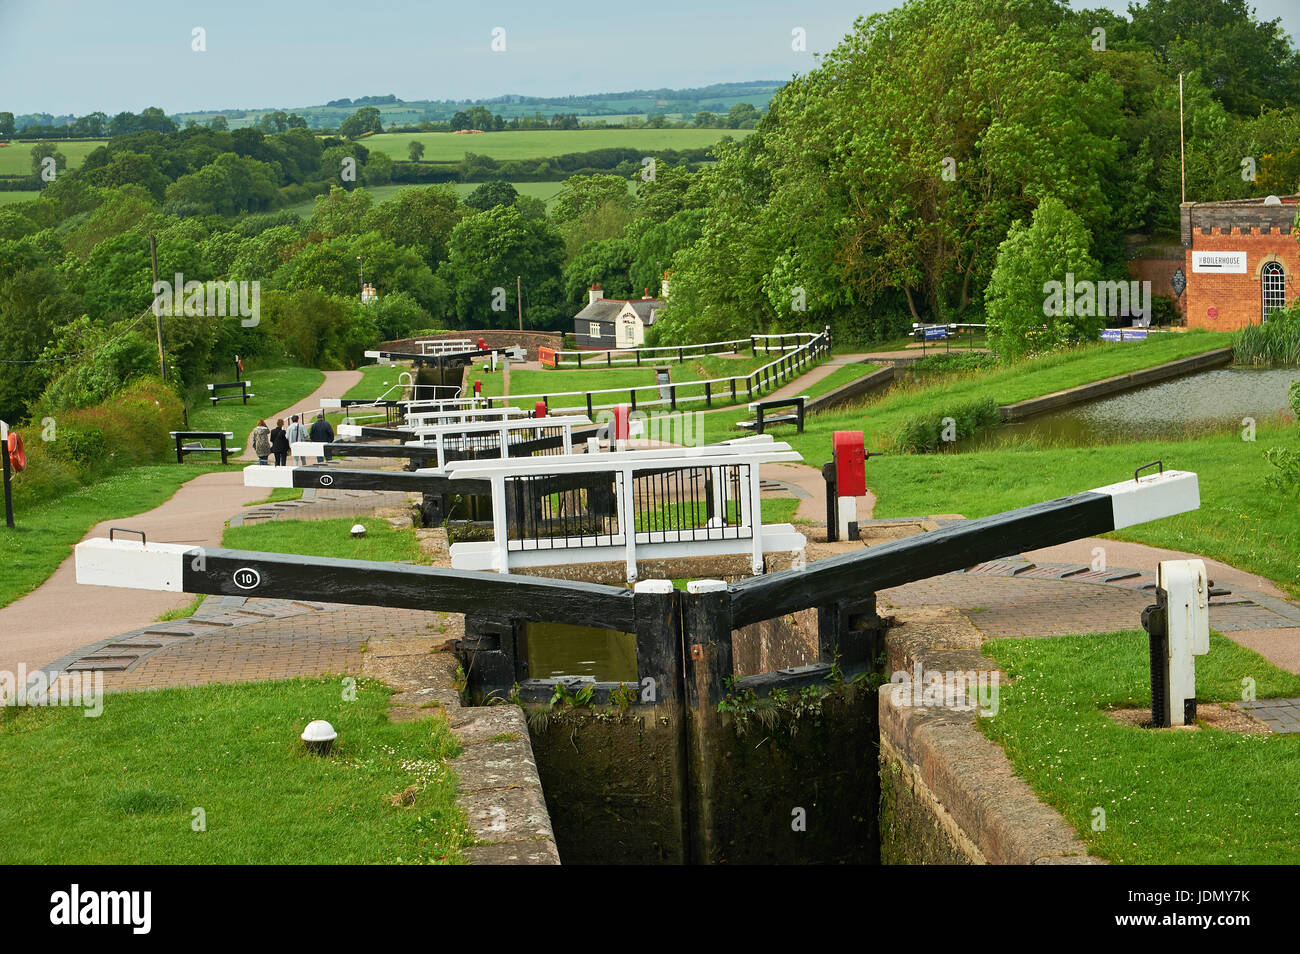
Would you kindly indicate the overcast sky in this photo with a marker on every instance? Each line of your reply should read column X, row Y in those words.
column 76, row 56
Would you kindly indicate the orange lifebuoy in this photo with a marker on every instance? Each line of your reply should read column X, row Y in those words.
column 17, row 456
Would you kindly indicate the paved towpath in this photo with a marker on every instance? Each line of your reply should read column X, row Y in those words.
column 60, row 616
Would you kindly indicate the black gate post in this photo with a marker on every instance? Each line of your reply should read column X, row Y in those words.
column 707, row 658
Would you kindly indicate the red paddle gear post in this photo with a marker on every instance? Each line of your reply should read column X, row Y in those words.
column 15, row 459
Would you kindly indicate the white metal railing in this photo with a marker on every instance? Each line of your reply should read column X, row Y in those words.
column 438, row 346
column 773, row 373
column 639, row 356
column 631, row 524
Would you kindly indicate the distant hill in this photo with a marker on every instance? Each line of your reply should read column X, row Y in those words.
column 674, row 103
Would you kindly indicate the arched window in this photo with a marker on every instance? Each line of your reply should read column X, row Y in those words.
column 1272, row 280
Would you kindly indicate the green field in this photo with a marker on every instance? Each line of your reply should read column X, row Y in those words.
column 16, row 158
column 540, row 143
column 7, row 198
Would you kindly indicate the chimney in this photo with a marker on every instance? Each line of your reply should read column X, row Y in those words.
column 663, row 285
column 595, row 294
column 645, row 293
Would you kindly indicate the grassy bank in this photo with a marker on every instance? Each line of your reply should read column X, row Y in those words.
column 274, row 388
column 920, row 404
column 1239, row 521
column 328, row 538
column 126, row 787
column 1163, row 791
column 45, row 534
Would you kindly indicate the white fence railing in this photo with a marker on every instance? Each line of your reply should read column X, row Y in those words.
column 755, row 344
column 729, row 389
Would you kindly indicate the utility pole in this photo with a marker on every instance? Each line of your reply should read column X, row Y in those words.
column 1182, row 153
column 157, row 312
column 519, row 301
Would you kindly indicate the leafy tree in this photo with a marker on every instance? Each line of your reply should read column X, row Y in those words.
column 130, row 168
column 228, row 185
column 421, row 219
column 415, row 149
column 396, row 315
column 378, row 169
column 43, row 150
column 341, row 212
column 487, row 251
column 607, row 262
column 492, row 194
column 743, row 116
column 316, row 329
column 219, row 123
column 33, row 302
column 591, row 208
column 367, row 119
column 1247, row 63
column 1026, row 312
column 6, row 125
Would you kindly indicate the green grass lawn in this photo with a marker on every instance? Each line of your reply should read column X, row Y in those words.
column 1169, row 796
column 275, row 390
column 1239, row 522
column 328, row 538
column 7, row 198
column 883, row 418
column 844, row 374
column 123, row 788
column 45, row 534
column 540, row 143
column 16, row 158
column 376, row 381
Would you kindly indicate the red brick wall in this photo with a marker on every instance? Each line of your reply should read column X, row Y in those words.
column 1160, row 273
column 1238, row 298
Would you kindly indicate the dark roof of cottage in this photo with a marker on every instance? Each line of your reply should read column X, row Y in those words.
column 607, row 309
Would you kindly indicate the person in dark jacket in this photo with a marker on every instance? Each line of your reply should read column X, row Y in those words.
column 280, row 443
column 321, row 433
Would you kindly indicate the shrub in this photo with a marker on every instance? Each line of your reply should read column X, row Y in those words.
column 1276, row 341
column 925, row 433
column 125, row 430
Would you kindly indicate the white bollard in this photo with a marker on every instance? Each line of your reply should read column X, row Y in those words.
column 1187, row 621
column 846, row 509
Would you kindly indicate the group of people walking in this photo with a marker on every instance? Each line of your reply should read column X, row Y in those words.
column 277, row 441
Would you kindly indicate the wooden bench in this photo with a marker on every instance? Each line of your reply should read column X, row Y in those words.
column 762, row 420
column 243, row 386
column 197, row 446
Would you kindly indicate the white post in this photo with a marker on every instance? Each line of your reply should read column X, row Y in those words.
column 500, row 528
column 1187, row 596
column 756, row 518
column 846, row 510
column 627, row 519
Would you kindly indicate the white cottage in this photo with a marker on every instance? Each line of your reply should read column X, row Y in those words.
column 608, row 323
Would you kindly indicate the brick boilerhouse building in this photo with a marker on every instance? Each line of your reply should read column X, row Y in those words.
column 1241, row 261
